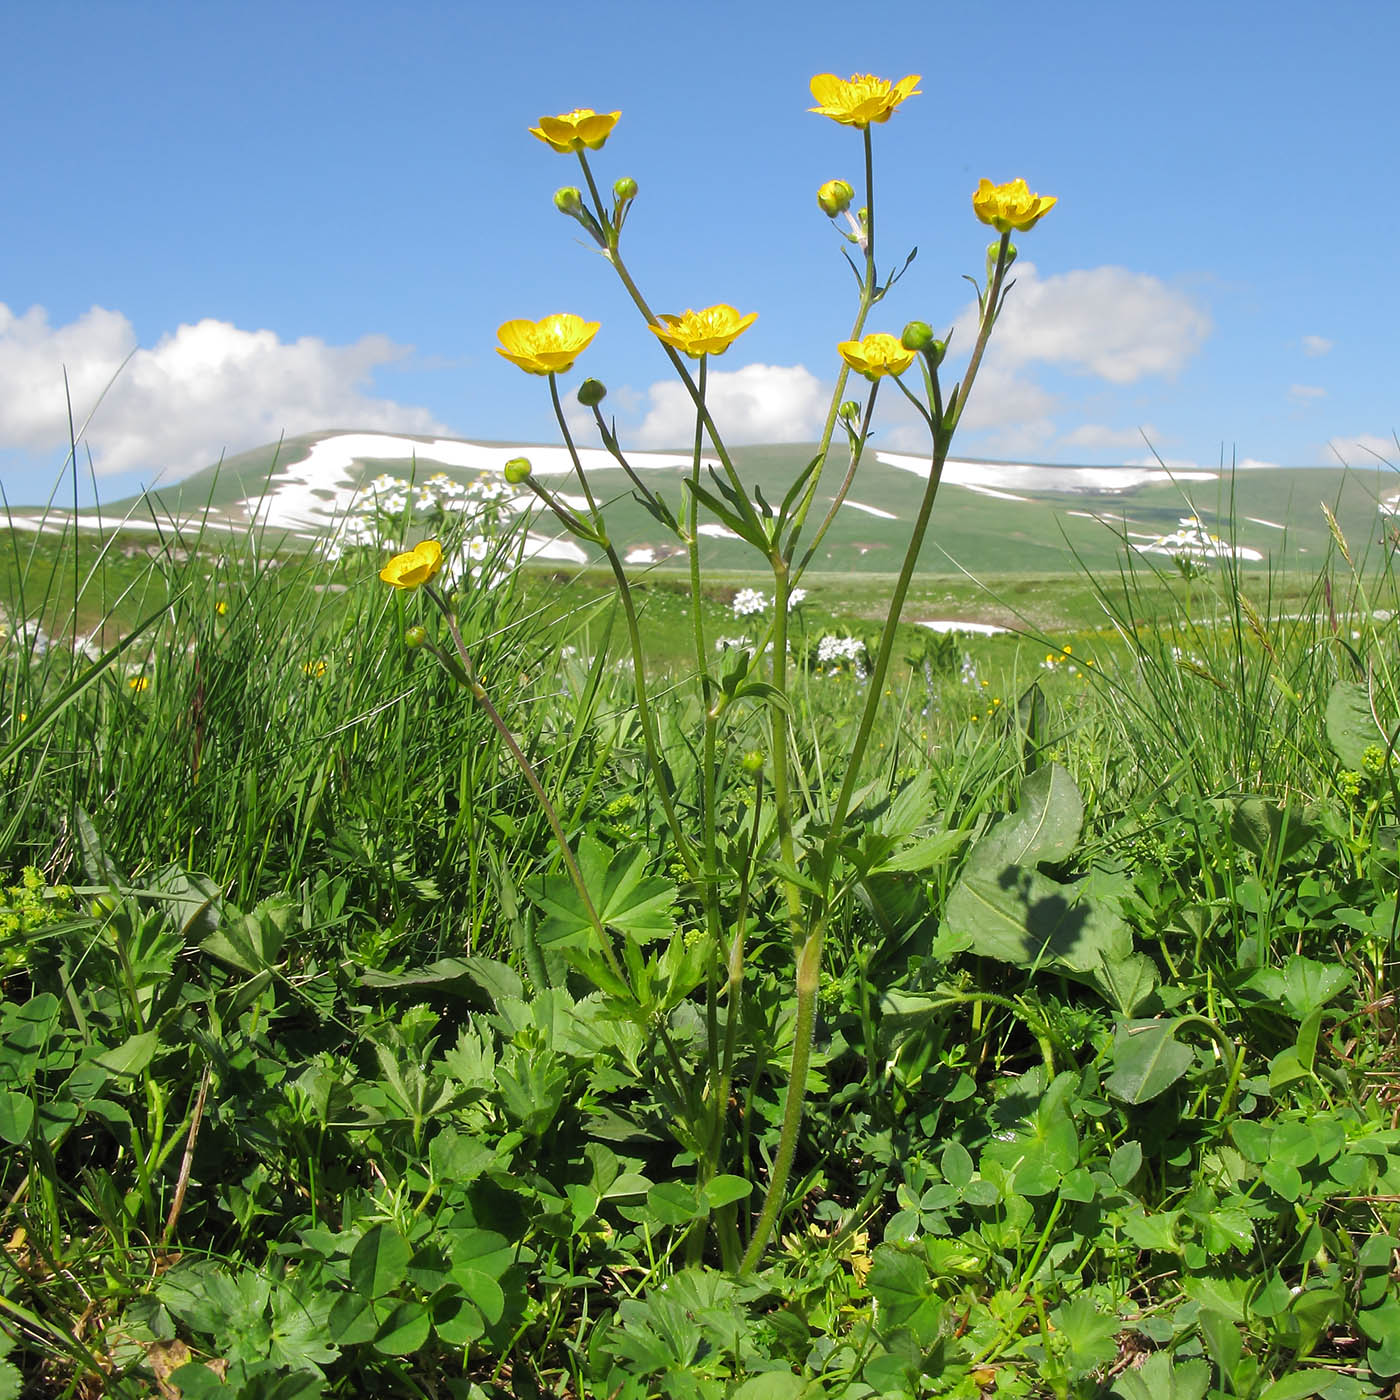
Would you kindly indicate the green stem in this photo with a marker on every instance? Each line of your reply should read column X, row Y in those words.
column 634, row 636
column 808, row 975
column 868, row 298
column 478, row 693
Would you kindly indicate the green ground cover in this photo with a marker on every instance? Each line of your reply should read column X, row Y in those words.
column 306, row 1088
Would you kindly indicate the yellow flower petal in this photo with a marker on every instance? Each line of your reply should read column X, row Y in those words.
column 549, row 346
column 415, row 568
column 1010, row 206
column 860, row 99
column 876, row 355
column 708, row 332
column 574, row 130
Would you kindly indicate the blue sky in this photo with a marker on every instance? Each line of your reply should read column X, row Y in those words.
column 306, row 216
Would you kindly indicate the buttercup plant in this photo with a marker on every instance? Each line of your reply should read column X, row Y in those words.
column 805, row 858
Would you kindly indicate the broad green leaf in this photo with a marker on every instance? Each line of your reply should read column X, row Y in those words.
column 957, row 1165
column 1308, row 986
column 1147, row 1060
column 476, row 979
column 725, row 1190
column 1298, row 1386
column 674, row 1203
column 16, row 1115
column 1126, row 1162
column 131, row 1056
column 899, row 1283
column 379, row 1262
column 404, row 1330
column 1351, row 727
column 1003, row 906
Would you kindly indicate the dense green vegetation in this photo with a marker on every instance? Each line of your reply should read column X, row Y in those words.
column 308, row 1088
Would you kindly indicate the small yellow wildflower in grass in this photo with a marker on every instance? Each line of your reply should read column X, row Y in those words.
column 415, row 568
column 315, row 669
column 549, row 346
column 877, row 354
column 572, row 131
column 1010, row 206
column 139, row 683
column 221, row 608
column 860, row 99
column 708, row 332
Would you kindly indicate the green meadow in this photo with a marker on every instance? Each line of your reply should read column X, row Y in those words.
column 313, row 1083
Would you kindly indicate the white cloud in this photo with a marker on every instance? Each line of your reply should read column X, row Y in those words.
column 1254, row 464
column 1364, row 449
column 1002, row 399
column 1107, row 321
column 1316, row 345
column 1097, row 435
column 201, row 390
column 758, row 403
column 1305, row 393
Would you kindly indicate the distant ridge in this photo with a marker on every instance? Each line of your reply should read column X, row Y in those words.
column 992, row 515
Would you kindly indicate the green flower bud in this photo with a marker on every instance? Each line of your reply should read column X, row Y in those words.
column 517, row 469
column 568, row 200
column 850, row 410
column 592, row 392
column 937, row 349
column 918, row 335
column 625, row 188
column 835, row 197
column 414, row 637
column 994, row 252
column 752, row 762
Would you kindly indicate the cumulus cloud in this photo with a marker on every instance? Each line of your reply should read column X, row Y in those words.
column 200, row 390
column 1365, row 449
column 1097, row 435
column 1305, row 393
column 1106, row 321
column 758, row 403
column 1316, row 345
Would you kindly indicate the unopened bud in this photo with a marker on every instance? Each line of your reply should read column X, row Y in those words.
column 517, row 469
column 414, row 637
column 592, row 392
column 752, row 762
column 850, row 410
column 994, row 252
column 625, row 188
column 918, row 335
column 937, row 349
column 835, row 198
column 568, row 200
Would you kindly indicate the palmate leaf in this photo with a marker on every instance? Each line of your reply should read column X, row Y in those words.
column 627, row 900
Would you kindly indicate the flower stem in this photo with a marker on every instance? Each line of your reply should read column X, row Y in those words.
column 634, row 636
column 478, row 693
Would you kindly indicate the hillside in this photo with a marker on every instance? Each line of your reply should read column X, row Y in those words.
column 995, row 517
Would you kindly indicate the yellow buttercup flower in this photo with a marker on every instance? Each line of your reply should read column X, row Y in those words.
column 574, row 130
column 860, row 99
column 314, row 669
column 139, row 683
column 708, row 332
column 221, row 608
column 415, row 568
column 1010, row 206
column 878, row 354
column 546, row 347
